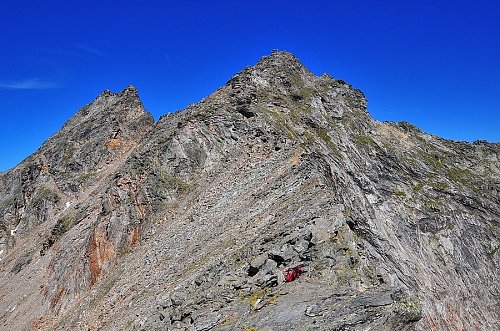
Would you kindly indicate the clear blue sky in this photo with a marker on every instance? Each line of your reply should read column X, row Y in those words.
column 432, row 63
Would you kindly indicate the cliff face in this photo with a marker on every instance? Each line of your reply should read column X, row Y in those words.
column 118, row 223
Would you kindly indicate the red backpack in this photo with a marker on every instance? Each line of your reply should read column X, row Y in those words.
column 293, row 273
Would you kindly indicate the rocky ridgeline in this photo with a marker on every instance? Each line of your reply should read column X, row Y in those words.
column 190, row 223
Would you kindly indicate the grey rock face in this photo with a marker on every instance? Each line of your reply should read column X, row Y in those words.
column 117, row 223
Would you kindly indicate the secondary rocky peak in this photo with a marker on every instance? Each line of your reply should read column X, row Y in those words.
column 107, row 97
column 106, row 93
column 96, row 138
column 125, row 106
column 130, row 91
column 111, row 116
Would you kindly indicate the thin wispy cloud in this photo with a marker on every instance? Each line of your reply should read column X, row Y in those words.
column 168, row 60
column 89, row 50
column 76, row 50
column 30, row 84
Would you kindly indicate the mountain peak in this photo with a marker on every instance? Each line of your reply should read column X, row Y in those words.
column 280, row 70
column 281, row 63
column 279, row 58
column 206, row 219
column 130, row 90
column 280, row 84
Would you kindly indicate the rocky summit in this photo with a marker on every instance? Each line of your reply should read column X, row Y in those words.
column 276, row 203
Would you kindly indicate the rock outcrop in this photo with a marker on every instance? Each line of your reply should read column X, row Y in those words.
column 120, row 223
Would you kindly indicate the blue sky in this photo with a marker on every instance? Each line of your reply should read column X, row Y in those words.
column 432, row 63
